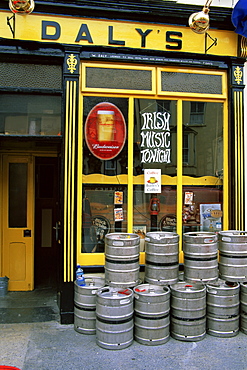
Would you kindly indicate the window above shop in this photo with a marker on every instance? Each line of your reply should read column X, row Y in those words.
column 32, row 115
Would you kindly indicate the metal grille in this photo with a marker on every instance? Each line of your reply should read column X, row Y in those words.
column 121, row 79
column 30, row 76
column 191, row 83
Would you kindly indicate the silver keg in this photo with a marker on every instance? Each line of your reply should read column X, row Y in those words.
column 233, row 255
column 200, row 256
column 161, row 259
column 243, row 307
column 188, row 311
column 85, row 304
column 151, row 314
column 223, row 308
column 114, row 317
column 122, row 251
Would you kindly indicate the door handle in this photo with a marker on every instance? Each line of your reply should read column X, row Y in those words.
column 57, row 228
column 27, row 233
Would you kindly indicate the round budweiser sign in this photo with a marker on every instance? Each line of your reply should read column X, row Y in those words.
column 105, row 131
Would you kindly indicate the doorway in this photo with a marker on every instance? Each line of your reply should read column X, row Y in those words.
column 46, row 243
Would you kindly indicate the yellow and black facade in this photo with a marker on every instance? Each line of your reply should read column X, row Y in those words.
column 114, row 118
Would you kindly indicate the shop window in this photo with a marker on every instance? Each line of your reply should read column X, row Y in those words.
column 154, row 122
column 127, row 79
column 104, row 211
column 35, row 76
column 145, row 220
column 198, row 83
column 203, row 149
column 202, row 208
column 105, row 132
column 34, row 115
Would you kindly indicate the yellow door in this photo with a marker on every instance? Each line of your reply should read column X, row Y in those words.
column 18, row 221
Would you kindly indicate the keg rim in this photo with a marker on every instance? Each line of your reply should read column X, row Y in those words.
column 182, row 285
column 154, row 290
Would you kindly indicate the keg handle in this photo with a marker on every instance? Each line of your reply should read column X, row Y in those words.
column 104, row 290
column 212, row 291
column 126, row 292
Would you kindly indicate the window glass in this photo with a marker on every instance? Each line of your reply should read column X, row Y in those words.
column 18, row 195
column 154, row 142
column 35, row 115
column 202, row 208
column 104, row 210
column 105, row 132
column 202, row 139
column 164, row 216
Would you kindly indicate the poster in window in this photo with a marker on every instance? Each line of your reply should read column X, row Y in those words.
column 211, row 217
column 118, row 214
column 105, row 131
column 118, row 197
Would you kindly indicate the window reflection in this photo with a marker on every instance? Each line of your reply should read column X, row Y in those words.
column 202, row 138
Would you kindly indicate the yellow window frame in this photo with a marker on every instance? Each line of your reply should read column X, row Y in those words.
column 98, row 259
column 116, row 67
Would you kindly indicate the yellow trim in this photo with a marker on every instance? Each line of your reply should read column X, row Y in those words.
column 84, row 65
column 69, row 189
column 65, row 183
column 72, row 214
column 239, row 167
column 130, row 165
column 191, row 71
column 104, row 179
column 225, row 169
column 79, row 178
column 69, row 180
column 139, row 180
column 179, row 170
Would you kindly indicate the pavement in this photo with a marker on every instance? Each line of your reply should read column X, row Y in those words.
column 52, row 346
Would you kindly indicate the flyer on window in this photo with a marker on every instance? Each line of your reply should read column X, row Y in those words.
column 118, row 197
column 118, row 214
column 152, row 180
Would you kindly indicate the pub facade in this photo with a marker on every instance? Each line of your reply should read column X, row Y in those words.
column 114, row 118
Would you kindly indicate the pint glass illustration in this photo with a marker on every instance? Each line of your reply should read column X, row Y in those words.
column 105, row 125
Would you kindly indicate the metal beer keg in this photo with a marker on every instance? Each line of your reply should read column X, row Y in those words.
column 161, row 265
column 200, row 256
column 122, row 266
column 188, row 311
column 243, row 307
column 151, row 314
column 85, row 304
column 114, row 317
column 223, row 308
column 233, row 255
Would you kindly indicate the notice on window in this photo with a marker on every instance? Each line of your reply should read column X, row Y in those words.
column 152, row 179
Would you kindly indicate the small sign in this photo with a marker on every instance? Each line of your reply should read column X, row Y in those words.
column 118, row 197
column 118, row 214
column 152, row 180
column 188, row 197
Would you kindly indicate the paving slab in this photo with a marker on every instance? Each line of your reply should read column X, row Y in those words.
column 52, row 346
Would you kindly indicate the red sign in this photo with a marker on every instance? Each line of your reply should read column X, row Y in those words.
column 105, row 131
